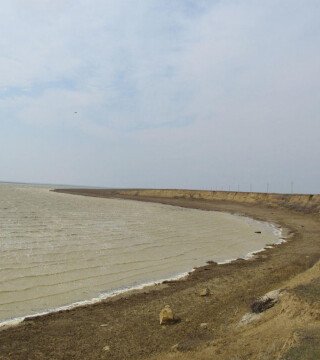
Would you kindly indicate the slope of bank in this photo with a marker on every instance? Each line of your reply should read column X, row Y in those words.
column 127, row 327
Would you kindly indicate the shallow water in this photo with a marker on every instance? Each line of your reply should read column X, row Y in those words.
column 58, row 249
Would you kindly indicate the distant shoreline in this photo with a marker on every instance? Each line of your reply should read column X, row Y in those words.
column 309, row 203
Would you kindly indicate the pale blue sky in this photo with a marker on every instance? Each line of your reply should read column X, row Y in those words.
column 171, row 93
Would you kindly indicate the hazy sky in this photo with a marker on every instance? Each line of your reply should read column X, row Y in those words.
column 161, row 93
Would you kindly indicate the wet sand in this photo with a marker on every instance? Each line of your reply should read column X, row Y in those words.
column 128, row 324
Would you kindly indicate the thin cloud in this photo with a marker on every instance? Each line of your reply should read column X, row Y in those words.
column 229, row 86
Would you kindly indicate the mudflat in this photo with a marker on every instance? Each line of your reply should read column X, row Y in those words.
column 127, row 326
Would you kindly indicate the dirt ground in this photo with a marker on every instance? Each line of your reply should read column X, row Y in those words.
column 127, row 326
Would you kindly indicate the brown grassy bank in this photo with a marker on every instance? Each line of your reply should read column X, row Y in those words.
column 300, row 202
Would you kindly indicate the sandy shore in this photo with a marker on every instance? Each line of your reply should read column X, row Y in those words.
column 127, row 326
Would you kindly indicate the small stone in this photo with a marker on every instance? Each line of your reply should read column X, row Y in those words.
column 106, row 348
column 204, row 325
column 204, row 292
column 166, row 316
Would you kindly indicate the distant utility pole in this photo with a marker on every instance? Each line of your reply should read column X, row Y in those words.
column 267, row 187
column 238, row 188
column 229, row 188
column 291, row 187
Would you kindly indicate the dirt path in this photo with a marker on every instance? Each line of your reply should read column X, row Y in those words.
column 127, row 327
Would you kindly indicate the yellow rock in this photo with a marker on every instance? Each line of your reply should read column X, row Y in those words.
column 204, row 292
column 166, row 315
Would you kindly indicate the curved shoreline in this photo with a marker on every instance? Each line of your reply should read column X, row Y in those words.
column 128, row 323
column 125, row 291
